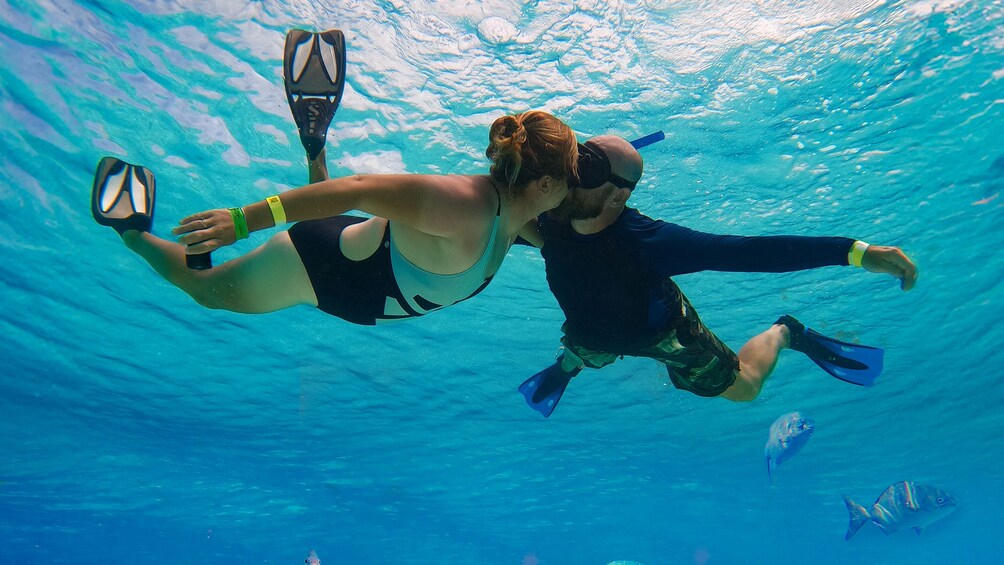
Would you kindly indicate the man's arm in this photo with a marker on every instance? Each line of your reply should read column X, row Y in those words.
column 670, row 250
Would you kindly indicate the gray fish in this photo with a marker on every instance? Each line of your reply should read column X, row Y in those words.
column 312, row 559
column 902, row 505
column 788, row 434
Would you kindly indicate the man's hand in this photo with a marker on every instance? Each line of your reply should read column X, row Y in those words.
column 891, row 260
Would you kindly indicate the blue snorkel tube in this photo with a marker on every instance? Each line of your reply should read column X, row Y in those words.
column 648, row 139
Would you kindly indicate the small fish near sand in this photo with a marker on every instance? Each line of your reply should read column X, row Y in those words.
column 788, row 435
column 902, row 505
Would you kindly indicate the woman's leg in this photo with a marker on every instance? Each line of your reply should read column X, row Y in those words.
column 317, row 169
column 269, row 278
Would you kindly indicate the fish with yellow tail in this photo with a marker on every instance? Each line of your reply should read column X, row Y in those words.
column 903, row 505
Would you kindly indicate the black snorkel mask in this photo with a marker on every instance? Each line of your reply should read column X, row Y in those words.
column 595, row 171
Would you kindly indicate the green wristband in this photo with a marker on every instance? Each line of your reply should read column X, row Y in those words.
column 240, row 223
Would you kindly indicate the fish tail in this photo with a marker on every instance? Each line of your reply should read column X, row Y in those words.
column 858, row 517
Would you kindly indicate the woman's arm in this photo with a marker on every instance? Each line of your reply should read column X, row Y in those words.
column 434, row 204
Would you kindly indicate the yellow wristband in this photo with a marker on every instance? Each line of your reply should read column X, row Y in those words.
column 278, row 214
column 857, row 253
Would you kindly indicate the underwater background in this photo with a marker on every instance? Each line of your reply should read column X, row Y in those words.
column 139, row 427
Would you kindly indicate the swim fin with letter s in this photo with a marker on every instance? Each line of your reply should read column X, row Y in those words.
column 850, row 362
column 313, row 70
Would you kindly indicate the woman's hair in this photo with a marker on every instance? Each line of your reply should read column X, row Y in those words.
column 527, row 146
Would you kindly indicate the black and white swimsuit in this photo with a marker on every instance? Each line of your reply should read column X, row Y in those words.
column 385, row 286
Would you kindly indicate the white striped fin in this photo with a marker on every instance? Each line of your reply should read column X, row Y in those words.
column 137, row 191
column 301, row 56
column 330, row 59
column 110, row 195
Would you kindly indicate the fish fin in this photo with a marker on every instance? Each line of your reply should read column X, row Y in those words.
column 919, row 530
column 858, row 517
column 849, row 362
column 769, row 475
column 543, row 390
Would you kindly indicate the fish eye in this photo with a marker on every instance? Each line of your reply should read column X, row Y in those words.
column 941, row 500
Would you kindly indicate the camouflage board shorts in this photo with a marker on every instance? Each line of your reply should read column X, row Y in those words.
column 697, row 361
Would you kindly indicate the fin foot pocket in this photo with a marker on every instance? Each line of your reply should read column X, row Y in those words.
column 123, row 195
column 850, row 362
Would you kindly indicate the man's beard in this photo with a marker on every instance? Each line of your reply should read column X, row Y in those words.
column 577, row 206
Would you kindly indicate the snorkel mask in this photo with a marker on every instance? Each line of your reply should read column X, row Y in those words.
column 595, row 171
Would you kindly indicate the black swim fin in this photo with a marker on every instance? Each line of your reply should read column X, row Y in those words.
column 313, row 69
column 123, row 195
column 850, row 362
column 543, row 390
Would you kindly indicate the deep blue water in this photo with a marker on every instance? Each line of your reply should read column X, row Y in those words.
column 137, row 427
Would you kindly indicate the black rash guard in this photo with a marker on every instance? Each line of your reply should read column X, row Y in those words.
column 614, row 287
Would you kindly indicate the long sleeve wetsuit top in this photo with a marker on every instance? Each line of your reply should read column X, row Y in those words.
column 614, row 286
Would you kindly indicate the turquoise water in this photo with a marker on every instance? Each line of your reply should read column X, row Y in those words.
column 137, row 427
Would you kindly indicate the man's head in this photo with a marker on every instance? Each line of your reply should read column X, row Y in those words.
column 608, row 169
column 609, row 159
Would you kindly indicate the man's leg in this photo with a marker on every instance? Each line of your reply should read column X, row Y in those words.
column 757, row 360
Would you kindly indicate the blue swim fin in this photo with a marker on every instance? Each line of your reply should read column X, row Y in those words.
column 543, row 390
column 850, row 362
column 123, row 195
column 313, row 70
